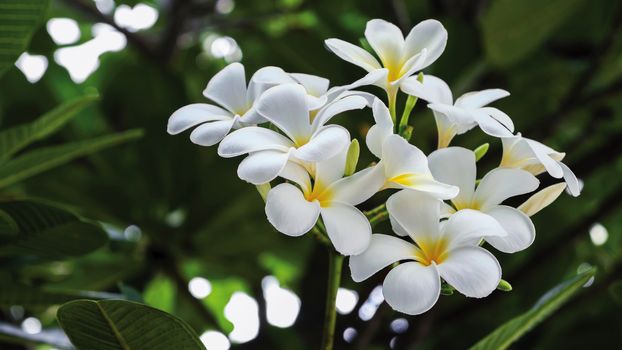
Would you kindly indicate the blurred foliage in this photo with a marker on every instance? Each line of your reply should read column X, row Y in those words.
column 173, row 210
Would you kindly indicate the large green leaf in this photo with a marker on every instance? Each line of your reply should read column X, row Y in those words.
column 18, row 21
column 42, row 159
column 514, row 29
column 49, row 232
column 512, row 330
column 16, row 138
column 118, row 324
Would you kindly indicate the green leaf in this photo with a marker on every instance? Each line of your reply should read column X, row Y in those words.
column 160, row 293
column 8, row 226
column 509, row 37
column 118, row 324
column 48, row 232
column 16, row 138
column 42, row 159
column 18, row 21
column 512, row 330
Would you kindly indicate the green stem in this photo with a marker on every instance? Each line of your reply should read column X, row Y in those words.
column 378, row 218
column 392, row 95
column 410, row 104
column 335, row 263
column 376, row 210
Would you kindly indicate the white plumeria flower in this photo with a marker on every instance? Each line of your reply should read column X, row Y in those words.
column 294, row 211
column 399, row 57
column 405, row 166
column 536, row 158
column 469, row 110
column 457, row 166
column 447, row 250
column 307, row 138
column 229, row 90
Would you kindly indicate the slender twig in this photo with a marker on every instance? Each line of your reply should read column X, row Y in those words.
column 376, row 210
column 335, row 264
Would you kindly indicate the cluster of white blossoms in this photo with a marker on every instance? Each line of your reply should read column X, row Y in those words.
column 440, row 212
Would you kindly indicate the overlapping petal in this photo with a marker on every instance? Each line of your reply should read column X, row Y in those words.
column 289, row 212
column 472, row 271
column 412, row 288
column 348, row 228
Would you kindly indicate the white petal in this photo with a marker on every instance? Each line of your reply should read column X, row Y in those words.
column 296, row 173
column 473, row 271
column 463, row 119
column 379, row 131
column 263, row 166
column 348, row 228
column 289, row 212
column 410, row 67
column 338, row 106
column 387, row 41
column 542, row 199
column 375, row 77
column 544, row 154
column 352, row 54
column 417, row 213
column 499, row 116
column 428, row 185
column 228, row 88
column 286, row 107
column 520, row 229
column 429, row 34
column 432, row 89
column 455, row 166
column 315, row 86
column 211, row 133
column 383, row 251
column 412, row 288
column 571, row 180
column 265, row 78
column 467, row 227
column 194, row 114
column 397, row 227
column 332, row 169
column 324, row 144
column 500, row 184
column 400, row 157
column 477, row 99
column 252, row 139
column 360, row 186
column 490, row 125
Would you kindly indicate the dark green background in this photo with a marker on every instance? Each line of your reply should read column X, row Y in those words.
column 560, row 59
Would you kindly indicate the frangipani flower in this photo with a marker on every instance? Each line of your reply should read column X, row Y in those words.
column 405, row 166
column 306, row 139
column 447, row 250
column 455, row 118
column 400, row 57
column 456, row 166
column 236, row 104
column 294, row 211
column 536, row 158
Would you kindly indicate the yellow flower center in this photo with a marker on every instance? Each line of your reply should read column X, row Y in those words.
column 432, row 251
column 404, row 179
column 320, row 193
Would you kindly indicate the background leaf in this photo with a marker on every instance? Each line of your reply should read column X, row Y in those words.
column 507, row 40
column 42, row 159
column 18, row 19
column 116, row 324
column 49, row 232
column 512, row 330
column 16, row 138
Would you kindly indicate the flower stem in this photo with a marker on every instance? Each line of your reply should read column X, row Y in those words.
column 392, row 96
column 375, row 210
column 410, row 104
column 335, row 263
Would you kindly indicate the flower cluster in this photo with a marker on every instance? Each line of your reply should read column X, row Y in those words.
column 440, row 212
